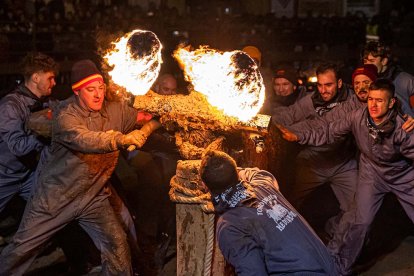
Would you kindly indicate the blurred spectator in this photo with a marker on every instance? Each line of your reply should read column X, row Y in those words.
column 166, row 85
column 266, row 73
column 286, row 90
column 380, row 55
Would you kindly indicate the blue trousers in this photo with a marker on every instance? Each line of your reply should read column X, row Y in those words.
column 12, row 183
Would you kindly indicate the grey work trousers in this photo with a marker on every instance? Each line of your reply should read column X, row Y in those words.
column 38, row 225
column 343, row 180
column 368, row 200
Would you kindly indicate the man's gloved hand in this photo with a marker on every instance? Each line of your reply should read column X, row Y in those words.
column 135, row 138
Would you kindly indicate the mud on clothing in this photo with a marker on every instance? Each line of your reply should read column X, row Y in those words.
column 71, row 187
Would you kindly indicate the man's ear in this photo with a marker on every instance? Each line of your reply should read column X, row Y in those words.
column 392, row 102
column 35, row 77
column 339, row 83
column 76, row 92
column 384, row 61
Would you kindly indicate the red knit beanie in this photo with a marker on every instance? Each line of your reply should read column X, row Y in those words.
column 83, row 73
column 369, row 70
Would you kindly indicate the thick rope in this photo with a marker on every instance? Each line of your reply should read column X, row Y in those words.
column 208, row 261
column 180, row 194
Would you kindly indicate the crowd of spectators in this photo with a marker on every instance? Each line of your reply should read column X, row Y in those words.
column 58, row 27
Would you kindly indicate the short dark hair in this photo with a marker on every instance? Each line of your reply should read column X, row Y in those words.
column 328, row 66
column 218, row 171
column 376, row 49
column 384, row 85
column 37, row 62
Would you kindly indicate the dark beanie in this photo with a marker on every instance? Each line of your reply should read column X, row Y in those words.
column 84, row 72
column 369, row 70
column 287, row 73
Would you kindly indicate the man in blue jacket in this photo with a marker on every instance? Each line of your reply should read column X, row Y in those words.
column 258, row 231
column 19, row 147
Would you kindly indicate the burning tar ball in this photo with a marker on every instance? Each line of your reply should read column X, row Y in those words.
column 142, row 44
column 246, row 67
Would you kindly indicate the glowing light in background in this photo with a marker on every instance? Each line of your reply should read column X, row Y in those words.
column 136, row 61
column 231, row 81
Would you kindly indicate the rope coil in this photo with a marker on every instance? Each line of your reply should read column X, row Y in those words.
column 180, row 194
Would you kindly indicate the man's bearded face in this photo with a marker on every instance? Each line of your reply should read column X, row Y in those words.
column 361, row 85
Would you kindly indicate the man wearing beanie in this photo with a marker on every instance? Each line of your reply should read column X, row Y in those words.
column 87, row 136
column 286, row 90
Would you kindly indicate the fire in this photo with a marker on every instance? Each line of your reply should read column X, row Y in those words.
column 231, row 81
column 136, row 61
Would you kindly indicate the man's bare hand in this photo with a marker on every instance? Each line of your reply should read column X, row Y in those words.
column 408, row 126
column 287, row 134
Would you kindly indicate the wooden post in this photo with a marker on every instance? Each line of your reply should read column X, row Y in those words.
column 196, row 229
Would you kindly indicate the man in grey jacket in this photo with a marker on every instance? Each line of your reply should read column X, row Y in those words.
column 387, row 154
column 72, row 183
column 333, row 164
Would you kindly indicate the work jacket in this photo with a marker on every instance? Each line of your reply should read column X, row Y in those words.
column 260, row 233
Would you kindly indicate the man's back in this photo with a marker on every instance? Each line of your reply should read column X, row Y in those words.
column 264, row 235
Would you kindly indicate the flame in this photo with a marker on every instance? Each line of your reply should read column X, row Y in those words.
column 231, row 81
column 136, row 61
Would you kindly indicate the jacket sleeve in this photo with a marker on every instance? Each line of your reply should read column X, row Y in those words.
column 326, row 133
column 404, row 89
column 336, row 113
column 407, row 145
column 71, row 131
column 300, row 110
column 241, row 250
column 12, row 130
